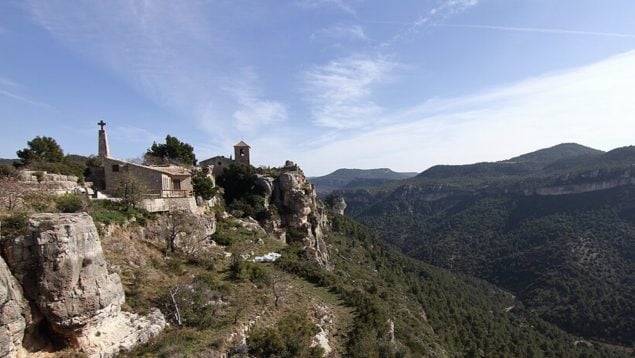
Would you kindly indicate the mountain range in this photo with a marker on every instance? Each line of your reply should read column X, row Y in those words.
column 555, row 227
column 343, row 178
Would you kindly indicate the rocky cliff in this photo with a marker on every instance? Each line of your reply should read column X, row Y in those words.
column 299, row 211
column 75, row 301
column 13, row 309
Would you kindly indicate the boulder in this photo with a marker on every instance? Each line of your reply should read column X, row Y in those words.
column 13, row 309
column 62, row 270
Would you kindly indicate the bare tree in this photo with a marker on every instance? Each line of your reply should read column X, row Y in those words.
column 175, row 225
column 12, row 192
column 177, row 313
column 131, row 190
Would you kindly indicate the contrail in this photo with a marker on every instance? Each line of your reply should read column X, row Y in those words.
column 541, row 30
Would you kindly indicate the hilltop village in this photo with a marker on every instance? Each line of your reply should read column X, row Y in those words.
column 101, row 257
column 61, row 235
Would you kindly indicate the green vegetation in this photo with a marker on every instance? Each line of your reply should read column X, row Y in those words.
column 71, row 203
column 110, row 212
column 41, row 149
column 45, row 155
column 290, row 338
column 13, row 225
column 173, row 151
column 203, row 186
column 432, row 309
column 241, row 192
column 131, row 190
column 568, row 258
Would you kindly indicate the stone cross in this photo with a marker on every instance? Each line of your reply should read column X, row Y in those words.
column 101, row 124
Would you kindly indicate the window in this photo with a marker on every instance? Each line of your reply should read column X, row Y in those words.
column 176, row 184
column 242, row 152
column 115, row 167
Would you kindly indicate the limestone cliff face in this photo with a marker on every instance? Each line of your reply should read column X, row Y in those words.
column 337, row 203
column 300, row 209
column 12, row 307
column 62, row 270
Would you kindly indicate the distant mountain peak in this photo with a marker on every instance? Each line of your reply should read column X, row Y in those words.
column 343, row 177
column 557, row 152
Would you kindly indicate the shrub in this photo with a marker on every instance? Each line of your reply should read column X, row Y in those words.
column 14, row 225
column 40, row 201
column 8, row 170
column 111, row 212
column 203, row 186
column 290, row 337
column 70, row 203
column 131, row 190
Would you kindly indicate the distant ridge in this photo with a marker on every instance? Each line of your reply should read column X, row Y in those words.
column 555, row 227
column 557, row 152
column 561, row 155
column 342, row 178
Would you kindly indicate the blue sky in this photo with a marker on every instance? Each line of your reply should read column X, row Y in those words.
column 325, row 83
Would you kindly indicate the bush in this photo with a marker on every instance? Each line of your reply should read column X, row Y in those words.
column 131, row 190
column 40, row 201
column 111, row 212
column 203, row 186
column 70, row 203
column 8, row 170
column 14, row 226
column 290, row 337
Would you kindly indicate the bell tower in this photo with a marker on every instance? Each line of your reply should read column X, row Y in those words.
column 241, row 152
column 103, row 141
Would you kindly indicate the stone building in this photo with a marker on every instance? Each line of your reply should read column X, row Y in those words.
column 241, row 152
column 168, row 181
column 162, row 181
column 219, row 162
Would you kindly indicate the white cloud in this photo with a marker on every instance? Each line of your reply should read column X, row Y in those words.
column 432, row 17
column 254, row 111
column 340, row 91
column 542, row 30
column 341, row 32
column 590, row 105
column 342, row 5
column 14, row 91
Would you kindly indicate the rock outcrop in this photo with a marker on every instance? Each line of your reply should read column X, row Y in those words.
column 337, row 203
column 62, row 270
column 12, row 308
column 300, row 210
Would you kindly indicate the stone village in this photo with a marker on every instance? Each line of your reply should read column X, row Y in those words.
column 87, row 309
column 168, row 186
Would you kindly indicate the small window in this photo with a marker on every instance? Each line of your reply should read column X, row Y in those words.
column 242, row 152
column 176, row 183
column 219, row 163
column 115, row 167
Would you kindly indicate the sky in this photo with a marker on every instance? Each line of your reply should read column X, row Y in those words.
column 326, row 83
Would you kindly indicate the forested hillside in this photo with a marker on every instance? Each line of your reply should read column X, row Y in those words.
column 561, row 237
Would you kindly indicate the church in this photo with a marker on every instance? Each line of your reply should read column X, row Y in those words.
column 161, row 181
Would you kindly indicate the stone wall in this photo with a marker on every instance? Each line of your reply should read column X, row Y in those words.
column 169, row 204
column 156, row 181
column 115, row 169
column 55, row 183
column 218, row 164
